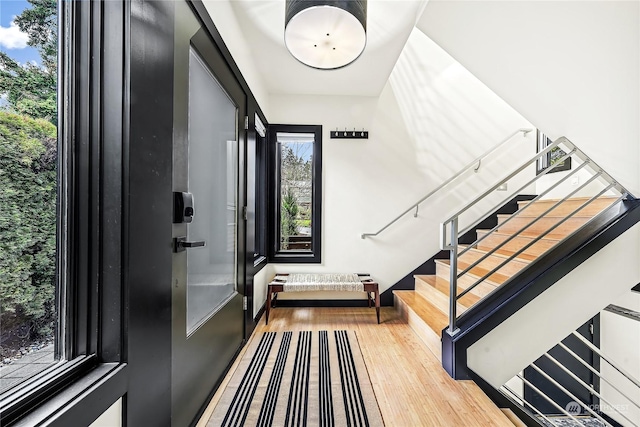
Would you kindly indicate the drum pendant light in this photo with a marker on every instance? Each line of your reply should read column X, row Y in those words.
column 325, row 34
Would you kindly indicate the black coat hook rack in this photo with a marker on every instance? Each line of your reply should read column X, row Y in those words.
column 349, row 134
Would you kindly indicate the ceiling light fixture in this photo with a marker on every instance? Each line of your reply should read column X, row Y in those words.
column 325, row 34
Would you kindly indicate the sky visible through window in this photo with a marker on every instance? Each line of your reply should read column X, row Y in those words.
column 13, row 42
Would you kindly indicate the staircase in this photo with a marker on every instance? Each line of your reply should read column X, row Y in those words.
column 497, row 256
column 502, row 300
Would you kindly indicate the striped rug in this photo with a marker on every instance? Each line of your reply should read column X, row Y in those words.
column 300, row 379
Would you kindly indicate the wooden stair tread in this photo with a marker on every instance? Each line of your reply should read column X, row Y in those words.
column 525, row 256
column 551, row 236
column 580, row 198
column 495, row 279
column 499, row 253
column 429, row 313
column 525, row 214
column 442, row 286
column 569, row 205
column 427, row 278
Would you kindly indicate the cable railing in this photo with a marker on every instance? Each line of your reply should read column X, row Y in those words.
column 475, row 164
column 565, row 384
column 526, row 241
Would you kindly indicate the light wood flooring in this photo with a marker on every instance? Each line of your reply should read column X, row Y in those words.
column 411, row 387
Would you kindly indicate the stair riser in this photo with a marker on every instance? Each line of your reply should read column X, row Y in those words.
column 442, row 286
column 516, row 244
column 566, row 207
column 543, row 225
column 426, row 334
column 482, row 289
column 436, row 297
column 509, row 269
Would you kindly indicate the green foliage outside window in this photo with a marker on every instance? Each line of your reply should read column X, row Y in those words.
column 295, row 188
column 27, row 225
column 28, row 184
column 288, row 220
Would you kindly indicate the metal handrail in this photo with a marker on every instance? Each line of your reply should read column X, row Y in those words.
column 590, row 388
column 538, row 238
column 597, row 351
column 453, row 222
column 535, row 199
column 547, row 398
column 504, row 180
column 529, row 224
column 594, row 371
column 478, row 160
column 568, row 393
column 525, row 403
column 521, row 188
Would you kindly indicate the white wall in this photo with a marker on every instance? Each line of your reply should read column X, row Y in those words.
column 620, row 342
column 112, row 417
column 555, row 313
column 226, row 22
column 431, row 119
column 260, row 289
column 570, row 67
column 573, row 69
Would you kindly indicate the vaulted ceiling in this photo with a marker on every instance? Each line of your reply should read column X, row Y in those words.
column 389, row 23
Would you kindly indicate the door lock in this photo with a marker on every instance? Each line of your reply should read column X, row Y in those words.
column 183, row 209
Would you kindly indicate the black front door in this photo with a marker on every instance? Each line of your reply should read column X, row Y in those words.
column 209, row 135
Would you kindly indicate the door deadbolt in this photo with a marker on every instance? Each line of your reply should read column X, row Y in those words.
column 183, row 207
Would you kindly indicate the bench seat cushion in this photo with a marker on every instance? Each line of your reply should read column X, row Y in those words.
column 320, row 282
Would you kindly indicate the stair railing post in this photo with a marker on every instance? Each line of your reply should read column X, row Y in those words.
column 453, row 276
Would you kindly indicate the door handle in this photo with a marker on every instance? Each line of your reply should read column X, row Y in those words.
column 180, row 244
column 193, row 244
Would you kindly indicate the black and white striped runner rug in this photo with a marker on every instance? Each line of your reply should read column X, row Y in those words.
column 300, row 379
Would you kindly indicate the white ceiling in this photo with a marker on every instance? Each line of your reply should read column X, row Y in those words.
column 389, row 23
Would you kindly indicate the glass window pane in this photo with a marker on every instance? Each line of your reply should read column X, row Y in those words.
column 28, row 191
column 213, row 163
column 295, row 151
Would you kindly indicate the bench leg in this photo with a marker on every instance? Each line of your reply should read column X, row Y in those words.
column 369, row 299
column 268, row 305
column 377, row 304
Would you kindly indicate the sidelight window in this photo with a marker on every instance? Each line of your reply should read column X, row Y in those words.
column 297, row 193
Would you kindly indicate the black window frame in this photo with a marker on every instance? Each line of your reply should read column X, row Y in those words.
column 89, row 292
column 260, row 197
column 275, row 255
column 543, row 163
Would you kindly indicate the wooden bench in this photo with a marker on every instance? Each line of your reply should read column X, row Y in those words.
column 277, row 285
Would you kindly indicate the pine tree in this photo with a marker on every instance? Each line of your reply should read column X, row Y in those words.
column 30, row 89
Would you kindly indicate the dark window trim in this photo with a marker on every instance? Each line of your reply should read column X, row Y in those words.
column 260, row 252
column 83, row 401
column 19, row 400
column 91, row 132
column 566, row 164
column 315, row 255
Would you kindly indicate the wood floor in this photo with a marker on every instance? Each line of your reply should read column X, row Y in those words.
column 410, row 385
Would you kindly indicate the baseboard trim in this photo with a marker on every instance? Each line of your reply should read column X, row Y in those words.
column 257, row 317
